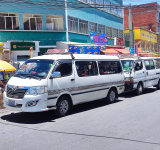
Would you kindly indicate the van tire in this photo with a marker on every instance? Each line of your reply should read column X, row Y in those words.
column 111, row 97
column 63, row 106
column 158, row 85
column 139, row 89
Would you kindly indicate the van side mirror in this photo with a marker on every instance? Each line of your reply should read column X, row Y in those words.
column 55, row 75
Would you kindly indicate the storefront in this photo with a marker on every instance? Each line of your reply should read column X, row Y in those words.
column 146, row 41
column 20, row 50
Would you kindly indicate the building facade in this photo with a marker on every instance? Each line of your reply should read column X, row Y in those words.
column 47, row 22
column 146, row 42
column 146, row 17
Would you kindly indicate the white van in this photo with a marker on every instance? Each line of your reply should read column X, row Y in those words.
column 140, row 73
column 60, row 81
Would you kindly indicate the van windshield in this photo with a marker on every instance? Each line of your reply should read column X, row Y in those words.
column 127, row 65
column 35, row 68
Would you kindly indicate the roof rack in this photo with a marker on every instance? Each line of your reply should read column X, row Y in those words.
column 136, row 57
column 65, row 53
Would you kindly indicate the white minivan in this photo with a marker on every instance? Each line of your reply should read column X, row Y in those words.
column 140, row 73
column 60, row 81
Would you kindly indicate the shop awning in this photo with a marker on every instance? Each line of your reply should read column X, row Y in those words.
column 123, row 51
column 110, row 50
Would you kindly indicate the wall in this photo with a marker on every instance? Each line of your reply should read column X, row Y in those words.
column 143, row 17
column 46, row 38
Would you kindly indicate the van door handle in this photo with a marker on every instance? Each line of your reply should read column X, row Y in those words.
column 147, row 73
column 72, row 79
column 143, row 71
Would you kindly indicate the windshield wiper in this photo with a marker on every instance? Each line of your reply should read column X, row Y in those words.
column 32, row 76
column 17, row 75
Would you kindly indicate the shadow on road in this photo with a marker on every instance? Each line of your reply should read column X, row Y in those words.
column 48, row 116
column 132, row 94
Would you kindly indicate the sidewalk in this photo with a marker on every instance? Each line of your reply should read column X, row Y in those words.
column 2, row 109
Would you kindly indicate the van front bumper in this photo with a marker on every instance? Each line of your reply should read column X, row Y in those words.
column 129, row 87
column 23, row 104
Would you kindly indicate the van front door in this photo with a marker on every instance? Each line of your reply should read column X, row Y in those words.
column 139, row 73
column 63, row 84
column 151, row 77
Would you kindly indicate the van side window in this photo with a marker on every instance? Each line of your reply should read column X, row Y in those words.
column 109, row 67
column 149, row 64
column 157, row 63
column 65, row 69
column 138, row 65
column 86, row 68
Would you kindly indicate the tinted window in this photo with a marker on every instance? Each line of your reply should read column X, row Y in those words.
column 157, row 63
column 65, row 69
column 109, row 67
column 149, row 64
column 86, row 68
column 138, row 65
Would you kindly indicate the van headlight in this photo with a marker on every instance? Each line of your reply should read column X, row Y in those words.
column 129, row 79
column 37, row 90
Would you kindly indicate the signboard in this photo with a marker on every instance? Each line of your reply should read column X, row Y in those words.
column 84, row 49
column 131, row 50
column 119, row 41
column 56, row 50
column 22, row 46
column 98, row 37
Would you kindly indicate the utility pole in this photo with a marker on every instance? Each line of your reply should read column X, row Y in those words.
column 130, row 26
column 66, row 18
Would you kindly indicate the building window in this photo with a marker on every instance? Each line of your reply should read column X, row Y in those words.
column 83, row 1
column 115, row 32
column 92, row 27
column 101, row 29
column 100, row 4
column 158, row 17
column 119, row 12
column 114, row 9
column 109, row 31
column 72, row 24
column 9, row 21
column 32, row 21
column 54, row 22
column 92, row 1
column 83, row 26
column 107, row 6
column 120, row 33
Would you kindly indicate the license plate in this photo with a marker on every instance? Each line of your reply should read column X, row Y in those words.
column 11, row 103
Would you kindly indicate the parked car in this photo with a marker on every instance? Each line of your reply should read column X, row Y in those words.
column 140, row 73
column 60, row 81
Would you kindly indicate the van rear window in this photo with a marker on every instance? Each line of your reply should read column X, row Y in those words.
column 109, row 67
column 86, row 68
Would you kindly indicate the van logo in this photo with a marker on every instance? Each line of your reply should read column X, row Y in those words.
column 14, row 88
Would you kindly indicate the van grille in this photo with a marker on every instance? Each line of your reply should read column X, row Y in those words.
column 15, row 93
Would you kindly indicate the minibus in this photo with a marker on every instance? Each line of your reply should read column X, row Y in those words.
column 60, row 81
column 140, row 73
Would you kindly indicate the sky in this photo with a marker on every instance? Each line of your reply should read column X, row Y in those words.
column 137, row 2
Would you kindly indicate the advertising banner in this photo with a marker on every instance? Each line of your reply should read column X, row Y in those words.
column 98, row 37
column 84, row 49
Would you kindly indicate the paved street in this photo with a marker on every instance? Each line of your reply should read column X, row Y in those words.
column 132, row 123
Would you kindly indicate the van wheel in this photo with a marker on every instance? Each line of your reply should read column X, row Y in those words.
column 158, row 85
column 111, row 97
column 63, row 106
column 139, row 89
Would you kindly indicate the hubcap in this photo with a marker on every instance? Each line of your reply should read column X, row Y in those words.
column 112, row 96
column 64, row 106
column 140, row 88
